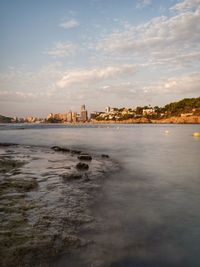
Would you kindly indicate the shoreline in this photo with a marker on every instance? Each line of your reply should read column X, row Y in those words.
column 170, row 120
column 46, row 193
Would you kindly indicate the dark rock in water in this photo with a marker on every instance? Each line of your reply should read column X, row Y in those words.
column 84, row 153
column 56, row 148
column 7, row 144
column 104, row 156
column 71, row 176
column 85, row 157
column 61, row 149
column 16, row 172
column 82, row 166
column 74, row 151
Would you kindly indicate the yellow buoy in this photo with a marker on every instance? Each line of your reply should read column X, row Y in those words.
column 196, row 134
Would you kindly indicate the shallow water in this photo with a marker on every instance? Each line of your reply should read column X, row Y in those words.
column 147, row 214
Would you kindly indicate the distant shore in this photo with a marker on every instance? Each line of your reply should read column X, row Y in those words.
column 142, row 120
column 173, row 120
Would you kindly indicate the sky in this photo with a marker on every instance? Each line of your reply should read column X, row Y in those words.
column 59, row 54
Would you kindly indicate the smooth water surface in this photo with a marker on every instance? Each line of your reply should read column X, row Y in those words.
column 148, row 213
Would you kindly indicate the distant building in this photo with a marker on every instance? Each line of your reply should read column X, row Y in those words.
column 148, row 111
column 74, row 117
column 83, row 114
column 107, row 109
column 69, row 116
column 50, row 116
column 83, row 108
column 94, row 114
column 31, row 119
column 114, row 110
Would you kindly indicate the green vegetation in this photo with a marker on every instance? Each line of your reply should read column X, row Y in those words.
column 187, row 105
column 4, row 119
column 53, row 120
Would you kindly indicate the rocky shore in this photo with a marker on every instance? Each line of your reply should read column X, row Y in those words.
column 174, row 120
column 179, row 120
column 45, row 195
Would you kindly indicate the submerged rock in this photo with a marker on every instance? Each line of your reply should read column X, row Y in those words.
column 7, row 144
column 104, row 156
column 85, row 157
column 82, row 166
column 61, row 149
column 71, row 176
column 74, row 151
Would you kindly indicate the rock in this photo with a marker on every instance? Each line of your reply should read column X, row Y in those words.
column 71, row 176
column 7, row 144
column 82, row 166
column 85, row 157
column 104, row 156
column 61, row 149
column 74, row 151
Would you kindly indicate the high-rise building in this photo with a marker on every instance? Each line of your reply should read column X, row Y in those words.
column 69, row 116
column 84, row 116
column 83, row 108
column 74, row 117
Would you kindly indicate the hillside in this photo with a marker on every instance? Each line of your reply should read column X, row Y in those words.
column 187, row 105
column 4, row 119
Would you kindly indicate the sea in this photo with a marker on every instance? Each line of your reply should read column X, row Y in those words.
column 147, row 213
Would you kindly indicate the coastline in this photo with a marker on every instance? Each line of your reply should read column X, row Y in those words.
column 169, row 120
column 45, row 197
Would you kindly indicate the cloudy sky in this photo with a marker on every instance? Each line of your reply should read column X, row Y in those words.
column 59, row 54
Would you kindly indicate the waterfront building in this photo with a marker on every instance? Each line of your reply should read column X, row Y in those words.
column 107, row 109
column 148, row 111
column 83, row 108
column 74, row 117
column 83, row 114
column 69, row 116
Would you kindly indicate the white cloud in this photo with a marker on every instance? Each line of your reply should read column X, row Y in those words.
column 84, row 77
column 143, row 3
column 17, row 96
column 69, row 24
column 121, row 90
column 161, row 36
column 44, row 84
column 61, row 50
column 176, row 85
column 170, row 60
column 185, row 5
column 20, row 84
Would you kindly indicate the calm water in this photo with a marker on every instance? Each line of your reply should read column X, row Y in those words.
column 147, row 214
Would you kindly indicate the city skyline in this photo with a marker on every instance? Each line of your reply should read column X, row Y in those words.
column 58, row 54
